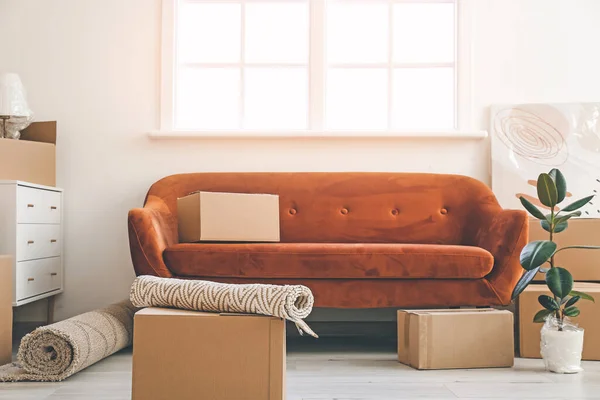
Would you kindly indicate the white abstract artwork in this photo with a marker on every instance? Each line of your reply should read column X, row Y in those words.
column 528, row 139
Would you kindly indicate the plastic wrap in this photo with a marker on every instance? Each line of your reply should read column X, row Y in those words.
column 13, row 106
column 561, row 349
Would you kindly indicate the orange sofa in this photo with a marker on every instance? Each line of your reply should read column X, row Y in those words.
column 358, row 240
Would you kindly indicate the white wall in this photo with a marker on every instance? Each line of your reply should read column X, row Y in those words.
column 93, row 65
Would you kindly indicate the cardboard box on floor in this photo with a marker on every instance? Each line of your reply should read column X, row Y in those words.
column 584, row 265
column 31, row 158
column 187, row 355
column 233, row 217
column 589, row 319
column 460, row 338
column 6, row 315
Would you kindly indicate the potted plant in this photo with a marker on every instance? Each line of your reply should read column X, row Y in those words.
column 562, row 342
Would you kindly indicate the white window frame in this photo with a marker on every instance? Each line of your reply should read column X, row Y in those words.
column 317, row 71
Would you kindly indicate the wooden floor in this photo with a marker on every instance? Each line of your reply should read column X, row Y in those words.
column 346, row 370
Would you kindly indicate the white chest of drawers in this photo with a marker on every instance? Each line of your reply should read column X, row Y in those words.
column 31, row 232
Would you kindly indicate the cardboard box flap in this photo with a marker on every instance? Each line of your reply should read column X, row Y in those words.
column 44, row 132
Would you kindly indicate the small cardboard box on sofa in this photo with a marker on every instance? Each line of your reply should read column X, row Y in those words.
column 188, row 355
column 234, row 217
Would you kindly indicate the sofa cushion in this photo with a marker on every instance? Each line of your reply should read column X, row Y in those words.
column 328, row 260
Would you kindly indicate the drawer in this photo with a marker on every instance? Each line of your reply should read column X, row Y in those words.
column 38, row 276
column 38, row 241
column 38, row 206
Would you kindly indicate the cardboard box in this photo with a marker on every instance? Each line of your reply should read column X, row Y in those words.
column 461, row 338
column 589, row 319
column 33, row 157
column 584, row 265
column 231, row 217
column 185, row 355
column 6, row 314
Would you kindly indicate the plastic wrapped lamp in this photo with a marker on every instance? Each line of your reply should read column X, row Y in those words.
column 15, row 113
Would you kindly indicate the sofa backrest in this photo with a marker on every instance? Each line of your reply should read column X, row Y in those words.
column 352, row 207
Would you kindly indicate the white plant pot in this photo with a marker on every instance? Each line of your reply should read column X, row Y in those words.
column 561, row 350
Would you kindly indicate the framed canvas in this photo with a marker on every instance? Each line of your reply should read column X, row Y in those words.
column 528, row 139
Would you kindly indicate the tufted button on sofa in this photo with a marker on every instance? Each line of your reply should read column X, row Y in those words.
column 358, row 240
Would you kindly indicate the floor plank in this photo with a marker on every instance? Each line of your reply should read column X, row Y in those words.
column 339, row 369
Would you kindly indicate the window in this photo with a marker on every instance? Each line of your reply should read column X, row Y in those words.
column 310, row 65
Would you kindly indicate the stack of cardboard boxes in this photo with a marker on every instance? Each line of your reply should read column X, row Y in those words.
column 30, row 159
column 180, row 354
column 584, row 265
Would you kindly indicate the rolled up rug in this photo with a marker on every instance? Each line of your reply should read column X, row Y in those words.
column 292, row 302
column 54, row 352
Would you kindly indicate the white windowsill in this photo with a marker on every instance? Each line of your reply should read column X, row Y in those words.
column 241, row 134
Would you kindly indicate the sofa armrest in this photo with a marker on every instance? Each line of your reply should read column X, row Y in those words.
column 151, row 230
column 504, row 233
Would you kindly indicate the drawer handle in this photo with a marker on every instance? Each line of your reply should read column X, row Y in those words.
column 30, row 206
column 30, row 242
column 53, row 207
column 30, row 279
column 52, row 240
column 53, row 273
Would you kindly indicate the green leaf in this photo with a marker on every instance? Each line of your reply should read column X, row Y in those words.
column 558, row 228
column 572, row 301
column 536, row 253
column 545, row 225
column 560, row 182
column 559, row 281
column 578, row 204
column 546, row 190
column 567, row 217
column 533, row 210
column 561, row 226
column 525, row 280
column 572, row 311
column 540, row 316
column 584, row 296
column 548, row 302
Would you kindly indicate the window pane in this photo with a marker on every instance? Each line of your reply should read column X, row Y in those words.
column 208, row 98
column 277, row 32
column 423, row 32
column 209, row 32
column 276, row 98
column 423, row 98
column 357, row 99
column 357, row 32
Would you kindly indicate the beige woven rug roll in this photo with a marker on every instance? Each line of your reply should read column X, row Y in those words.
column 292, row 302
column 55, row 352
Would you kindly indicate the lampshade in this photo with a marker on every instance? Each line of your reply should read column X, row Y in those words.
column 14, row 110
